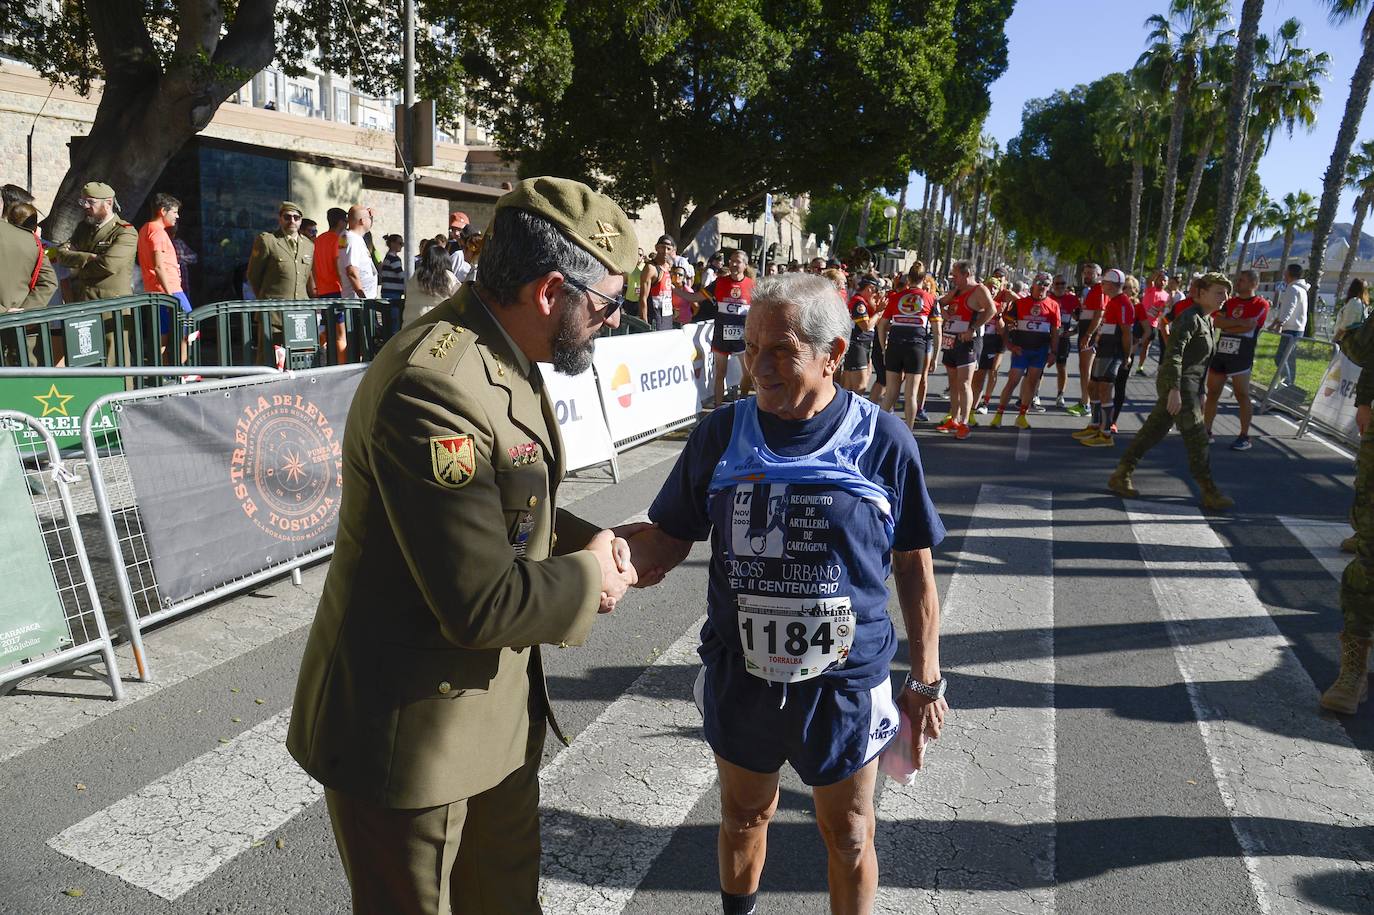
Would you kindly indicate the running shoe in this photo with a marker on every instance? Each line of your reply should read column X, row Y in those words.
column 1059, row 401
column 973, row 419
column 921, row 416
column 1242, row 443
column 949, row 418
column 1036, row 406
column 1211, row 439
column 996, row 421
column 1022, row 422
column 982, row 409
column 1140, row 370
column 1077, row 409
column 961, row 432
column 1087, row 432
column 949, row 425
column 1098, row 441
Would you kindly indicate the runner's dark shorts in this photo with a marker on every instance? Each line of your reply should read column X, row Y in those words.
column 910, row 355
column 1083, row 325
column 1061, row 354
column 858, row 356
column 826, row 731
column 1240, row 363
column 879, row 361
column 992, row 349
column 1109, row 359
column 960, row 353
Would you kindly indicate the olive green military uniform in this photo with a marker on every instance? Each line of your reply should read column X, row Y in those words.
column 280, row 267
column 1192, row 341
column 19, row 255
column 101, row 259
column 421, row 703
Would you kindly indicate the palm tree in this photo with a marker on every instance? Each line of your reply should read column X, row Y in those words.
column 1360, row 82
column 1176, row 44
column 1297, row 213
column 1359, row 174
column 1217, row 64
column 1131, row 134
column 1237, row 110
column 1266, row 216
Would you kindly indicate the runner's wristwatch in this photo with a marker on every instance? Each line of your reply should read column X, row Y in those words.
column 934, row 690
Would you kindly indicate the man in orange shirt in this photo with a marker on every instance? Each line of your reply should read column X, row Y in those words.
column 157, row 258
column 328, row 282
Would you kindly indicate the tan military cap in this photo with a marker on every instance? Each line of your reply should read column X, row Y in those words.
column 97, row 190
column 1215, row 278
column 289, row 207
column 590, row 219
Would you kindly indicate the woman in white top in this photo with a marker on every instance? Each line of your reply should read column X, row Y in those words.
column 1355, row 309
column 431, row 282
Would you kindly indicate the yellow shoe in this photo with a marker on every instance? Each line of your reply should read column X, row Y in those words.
column 996, row 421
column 1022, row 422
column 972, row 420
column 1087, row 432
column 1098, row 441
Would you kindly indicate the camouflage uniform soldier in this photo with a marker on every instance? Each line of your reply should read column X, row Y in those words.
column 1192, row 340
column 1357, row 584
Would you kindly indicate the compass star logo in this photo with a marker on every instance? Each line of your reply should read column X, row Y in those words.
column 287, row 466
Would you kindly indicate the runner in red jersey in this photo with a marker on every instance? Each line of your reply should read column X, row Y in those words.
column 863, row 311
column 909, row 331
column 1239, row 321
column 1031, row 333
column 1154, row 301
column 732, row 294
column 990, row 359
column 1089, row 314
column 1111, row 347
column 969, row 306
column 1069, row 303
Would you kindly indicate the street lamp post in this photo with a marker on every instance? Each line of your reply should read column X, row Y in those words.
column 890, row 212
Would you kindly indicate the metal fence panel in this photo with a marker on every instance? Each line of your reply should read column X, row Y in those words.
column 1310, row 358
column 142, row 600
column 232, row 333
column 124, row 331
column 47, row 480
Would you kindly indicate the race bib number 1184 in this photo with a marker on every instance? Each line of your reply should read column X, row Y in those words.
column 787, row 640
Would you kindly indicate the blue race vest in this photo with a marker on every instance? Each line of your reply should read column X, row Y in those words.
column 802, row 550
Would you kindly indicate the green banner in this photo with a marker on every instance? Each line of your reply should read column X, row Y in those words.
column 57, row 402
column 31, row 618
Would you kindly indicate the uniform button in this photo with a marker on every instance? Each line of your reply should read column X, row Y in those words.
column 562, row 644
column 444, row 687
column 534, row 500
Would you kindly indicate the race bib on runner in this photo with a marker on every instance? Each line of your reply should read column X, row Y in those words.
column 732, row 332
column 790, row 639
column 947, row 341
column 1228, row 346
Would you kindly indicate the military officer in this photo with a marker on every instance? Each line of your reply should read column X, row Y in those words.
column 27, row 280
column 281, row 266
column 1192, row 341
column 101, row 251
column 421, row 704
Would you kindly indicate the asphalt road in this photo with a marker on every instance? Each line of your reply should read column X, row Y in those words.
column 1133, row 723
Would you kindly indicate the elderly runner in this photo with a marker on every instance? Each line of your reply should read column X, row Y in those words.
column 810, row 496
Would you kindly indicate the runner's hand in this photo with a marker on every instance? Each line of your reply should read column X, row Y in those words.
column 927, row 719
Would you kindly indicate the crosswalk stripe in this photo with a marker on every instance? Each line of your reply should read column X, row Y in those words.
column 177, row 830
column 1323, row 541
column 1296, row 788
column 998, row 755
column 640, row 768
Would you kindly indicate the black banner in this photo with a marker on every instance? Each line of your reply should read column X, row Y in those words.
column 233, row 481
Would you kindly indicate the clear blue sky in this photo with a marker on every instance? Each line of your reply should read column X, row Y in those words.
column 1091, row 38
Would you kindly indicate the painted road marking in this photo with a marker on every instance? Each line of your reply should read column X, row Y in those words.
column 1023, row 437
column 1323, row 541
column 179, row 829
column 1295, row 786
column 637, row 770
column 997, row 757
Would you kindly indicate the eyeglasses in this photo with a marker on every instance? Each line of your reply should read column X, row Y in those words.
column 294, row 217
column 614, row 302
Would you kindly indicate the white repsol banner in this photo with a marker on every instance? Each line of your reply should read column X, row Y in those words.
column 647, row 380
column 1334, row 404
column 577, row 406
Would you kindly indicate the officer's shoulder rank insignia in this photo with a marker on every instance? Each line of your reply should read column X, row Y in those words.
column 453, row 459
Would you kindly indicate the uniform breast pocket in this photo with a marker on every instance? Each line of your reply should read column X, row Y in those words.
column 524, row 498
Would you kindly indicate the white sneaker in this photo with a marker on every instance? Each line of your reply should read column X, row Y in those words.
column 1059, row 401
column 982, row 409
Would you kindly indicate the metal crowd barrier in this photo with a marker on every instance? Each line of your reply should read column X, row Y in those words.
column 228, row 333
column 124, row 331
column 47, row 480
column 1310, row 360
column 116, row 502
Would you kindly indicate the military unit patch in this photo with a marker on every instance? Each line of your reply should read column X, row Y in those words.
column 454, row 459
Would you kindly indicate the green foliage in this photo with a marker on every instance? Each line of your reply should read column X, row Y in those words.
column 702, row 106
column 843, row 212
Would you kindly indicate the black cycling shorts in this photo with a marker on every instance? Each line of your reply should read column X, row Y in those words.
column 959, row 353
column 992, row 350
column 858, row 356
column 1105, row 368
column 911, row 355
column 877, row 357
column 1061, row 354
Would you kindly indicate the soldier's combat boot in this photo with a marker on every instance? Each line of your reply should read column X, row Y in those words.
column 1122, row 484
column 1213, row 500
column 1350, row 544
column 1352, row 684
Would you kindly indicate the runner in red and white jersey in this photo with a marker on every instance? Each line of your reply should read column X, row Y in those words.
column 969, row 306
column 1111, row 346
column 1069, row 303
column 1031, row 331
column 1089, row 314
column 732, row 294
column 1239, row 321
column 1154, row 301
column 909, row 332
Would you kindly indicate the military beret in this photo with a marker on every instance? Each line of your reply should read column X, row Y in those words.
column 97, row 190
column 289, row 207
column 1215, row 278
column 590, row 219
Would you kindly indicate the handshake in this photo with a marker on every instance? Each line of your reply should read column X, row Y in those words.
column 633, row 555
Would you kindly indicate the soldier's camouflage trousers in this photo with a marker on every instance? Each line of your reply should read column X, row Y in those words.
column 1190, row 425
column 1357, row 584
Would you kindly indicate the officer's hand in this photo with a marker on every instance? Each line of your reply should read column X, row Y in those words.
column 1175, row 402
column 610, row 551
column 1362, row 418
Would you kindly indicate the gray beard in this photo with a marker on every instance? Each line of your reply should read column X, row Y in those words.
column 571, row 357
